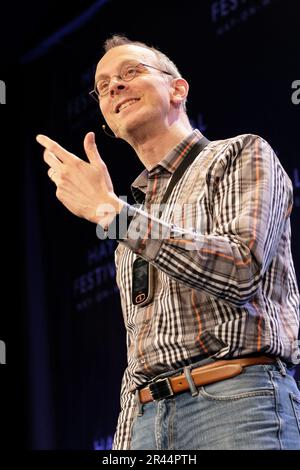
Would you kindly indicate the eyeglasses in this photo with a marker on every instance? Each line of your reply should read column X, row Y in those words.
column 127, row 73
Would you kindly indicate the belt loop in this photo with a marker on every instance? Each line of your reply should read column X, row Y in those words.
column 281, row 367
column 189, row 378
column 138, row 402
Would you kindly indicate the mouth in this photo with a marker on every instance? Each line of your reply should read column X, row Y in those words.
column 126, row 104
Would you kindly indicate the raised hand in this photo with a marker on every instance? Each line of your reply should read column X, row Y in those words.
column 84, row 188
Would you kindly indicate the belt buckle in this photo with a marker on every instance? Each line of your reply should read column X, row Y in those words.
column 161, row 389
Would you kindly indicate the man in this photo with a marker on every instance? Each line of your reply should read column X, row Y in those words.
column 207, row 282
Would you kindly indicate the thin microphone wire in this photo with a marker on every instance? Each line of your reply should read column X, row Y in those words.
column 107, row 133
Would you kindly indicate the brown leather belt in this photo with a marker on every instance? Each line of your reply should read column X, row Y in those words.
column 204, row 375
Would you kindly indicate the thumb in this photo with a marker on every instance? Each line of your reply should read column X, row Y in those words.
column 91, row 149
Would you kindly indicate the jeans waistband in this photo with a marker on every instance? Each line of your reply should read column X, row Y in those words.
column 191, row 378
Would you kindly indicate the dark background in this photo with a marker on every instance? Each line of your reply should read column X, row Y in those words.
column 61, row 318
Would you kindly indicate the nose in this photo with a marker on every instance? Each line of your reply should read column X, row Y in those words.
column 116, row 85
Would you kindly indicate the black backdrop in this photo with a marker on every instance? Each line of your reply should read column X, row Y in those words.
column 67, row 351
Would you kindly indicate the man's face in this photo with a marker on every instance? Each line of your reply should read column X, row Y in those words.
column 140, row 103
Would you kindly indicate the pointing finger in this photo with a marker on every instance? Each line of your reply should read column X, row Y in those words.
column 62, row 154
column 51, row 160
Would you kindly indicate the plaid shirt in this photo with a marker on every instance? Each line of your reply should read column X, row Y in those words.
column 225, row 284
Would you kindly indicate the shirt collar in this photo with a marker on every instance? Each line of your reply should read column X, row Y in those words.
column 169, row 163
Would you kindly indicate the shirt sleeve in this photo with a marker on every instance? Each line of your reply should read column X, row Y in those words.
column 122, row 437
column 249, row 204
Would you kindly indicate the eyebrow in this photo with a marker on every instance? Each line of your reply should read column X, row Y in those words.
column 105, row 75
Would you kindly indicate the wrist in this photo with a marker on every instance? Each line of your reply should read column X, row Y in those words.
column 106, row 212
column 118, row 204
column 116, row 228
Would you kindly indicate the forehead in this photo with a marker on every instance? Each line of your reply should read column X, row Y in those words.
column 117, row 55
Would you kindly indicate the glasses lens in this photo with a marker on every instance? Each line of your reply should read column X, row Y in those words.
column 102, row 87
column 128, row 72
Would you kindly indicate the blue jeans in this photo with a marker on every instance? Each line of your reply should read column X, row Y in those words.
column 258, row 409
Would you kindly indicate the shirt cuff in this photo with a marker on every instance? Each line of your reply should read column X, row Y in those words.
column 117, row 229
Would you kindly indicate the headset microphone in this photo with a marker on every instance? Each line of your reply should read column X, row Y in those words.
column 107, row 133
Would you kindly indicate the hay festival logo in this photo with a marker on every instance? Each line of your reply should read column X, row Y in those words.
column 227, row 14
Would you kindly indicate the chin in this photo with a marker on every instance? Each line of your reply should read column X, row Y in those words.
column 137, row 121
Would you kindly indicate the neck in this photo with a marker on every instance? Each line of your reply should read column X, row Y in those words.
column 151, row 147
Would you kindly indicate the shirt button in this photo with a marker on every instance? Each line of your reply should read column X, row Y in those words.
column 142, row 361
column 146, row 322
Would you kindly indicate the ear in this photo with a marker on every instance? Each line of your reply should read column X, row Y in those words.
column 179, row 90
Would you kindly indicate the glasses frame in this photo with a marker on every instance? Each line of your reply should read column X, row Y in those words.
column 95, row 94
